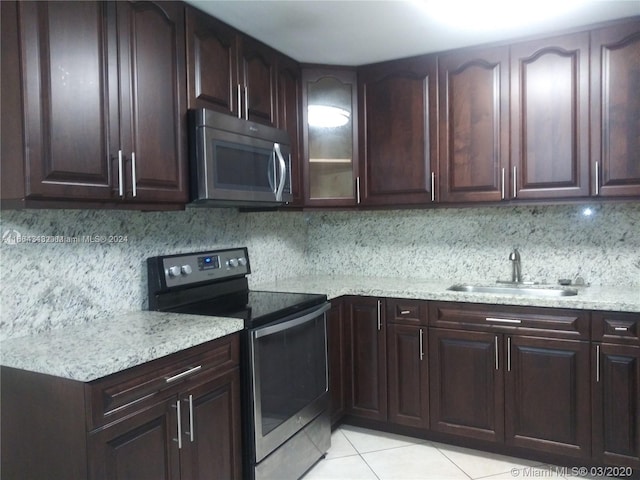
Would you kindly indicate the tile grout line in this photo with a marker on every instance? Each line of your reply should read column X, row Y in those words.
column 360, row 455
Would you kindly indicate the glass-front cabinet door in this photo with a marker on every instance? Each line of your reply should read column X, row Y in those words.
column 330, row 126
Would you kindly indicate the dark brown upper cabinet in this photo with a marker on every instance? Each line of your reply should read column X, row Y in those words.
column 212, row 72
column 615, row 110
column 550, row 118
column 330, row 126
column 258, row 72
column 290, row 119
column 398, row 132
column 228, row 71
column 95, row 130
column 473, row 90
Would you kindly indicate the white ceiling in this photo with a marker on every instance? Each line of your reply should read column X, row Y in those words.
column 365, row 31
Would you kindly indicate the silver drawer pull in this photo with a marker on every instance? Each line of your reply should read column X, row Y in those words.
column 502, row 320
column 183, row 374
column 621, row 329
column 405, row 312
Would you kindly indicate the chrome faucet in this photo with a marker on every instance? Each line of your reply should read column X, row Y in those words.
column 516, row 267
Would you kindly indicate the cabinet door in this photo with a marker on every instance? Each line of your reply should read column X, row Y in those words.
column 408, row 375
column 398, row 115
column 289, row 119
column 466, row 390
column 67, row 101
column 550, row 117
column 615, row 109
column 153, row 100
column 338, row 355
column 474, row 125
column 547, row 395
column 143, row 446
column 330, row 123
column 212, row 430
column 212, row 63
column 367, row 364
column 616, row 404
column 258, row 72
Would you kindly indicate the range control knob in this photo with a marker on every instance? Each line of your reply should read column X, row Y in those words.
column 232, row 263
column 174, row 271
column 242, row 261
column 186, row 269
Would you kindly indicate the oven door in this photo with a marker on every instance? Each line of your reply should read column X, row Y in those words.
column 237, row 168
column 289, row 377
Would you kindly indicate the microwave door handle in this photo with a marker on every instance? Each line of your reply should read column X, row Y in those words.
column 283, row 172
column 271, row 172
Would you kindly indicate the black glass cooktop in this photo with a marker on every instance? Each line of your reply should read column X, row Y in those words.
column 254, row 307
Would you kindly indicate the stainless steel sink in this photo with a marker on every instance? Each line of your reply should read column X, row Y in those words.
column 526, row 290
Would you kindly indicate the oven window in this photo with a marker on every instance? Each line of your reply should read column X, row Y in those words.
column 292, row 371
column 240, row 167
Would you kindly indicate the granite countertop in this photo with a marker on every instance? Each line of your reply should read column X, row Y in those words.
column 95, row 349
column 621, row 299
column 98, row 348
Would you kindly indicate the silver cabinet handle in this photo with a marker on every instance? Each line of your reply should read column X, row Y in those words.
column 502, row 185
column 515, row 181
column 405, row 312
column 597, row 175
column 358, row 190
column 598, row 363
column 239, row 99
column 120, row 174
column 421, row 344
column 379, row 315
column 183, row 374
column 508, row 354
column 191, row 424
column 246, row 102
column 503, row 320
column 621, row 329
column 134, row 177
column 496, row 349
column 179, row 413
column 283, row 171
column 433, row 186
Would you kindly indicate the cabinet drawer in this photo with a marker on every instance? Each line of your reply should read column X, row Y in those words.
column 616, row 327
column 409, row 312
column 535, row 321
column 122, row 393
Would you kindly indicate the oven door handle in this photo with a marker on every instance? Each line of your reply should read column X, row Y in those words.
column 263, row 332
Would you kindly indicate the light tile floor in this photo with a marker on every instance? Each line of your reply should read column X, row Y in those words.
column 361, row 454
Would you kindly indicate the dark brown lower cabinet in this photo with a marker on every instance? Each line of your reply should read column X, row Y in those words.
column 205, row 416
column 616, row 404
column 466, row 384
column 547, row 400
column 407, row 375
column 366, row 365
column 162, row 420
column 338, row 352
column 125, row 449
column 523, row 391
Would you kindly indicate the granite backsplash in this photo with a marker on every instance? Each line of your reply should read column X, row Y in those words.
column 51, row 281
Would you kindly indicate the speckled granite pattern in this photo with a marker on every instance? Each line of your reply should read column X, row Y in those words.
column 473, row 244
column 588, row 298
column 51, row 285
column 95, row 349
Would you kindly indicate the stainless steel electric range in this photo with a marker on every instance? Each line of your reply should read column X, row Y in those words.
column 286, row 425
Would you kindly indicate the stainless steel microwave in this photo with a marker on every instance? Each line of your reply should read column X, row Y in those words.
column 236, row 162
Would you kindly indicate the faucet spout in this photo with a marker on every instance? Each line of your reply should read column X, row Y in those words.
column 516, row 267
